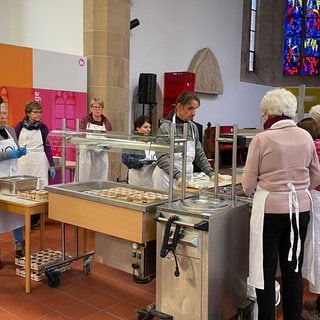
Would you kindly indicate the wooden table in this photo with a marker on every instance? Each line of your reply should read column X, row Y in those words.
column 26, row 208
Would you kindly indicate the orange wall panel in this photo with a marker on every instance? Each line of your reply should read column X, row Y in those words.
column 15, row 98
column 16, row 66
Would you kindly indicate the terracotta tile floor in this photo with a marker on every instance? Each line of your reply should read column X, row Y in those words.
column 105, row 293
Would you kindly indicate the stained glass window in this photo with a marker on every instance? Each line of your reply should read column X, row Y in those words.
column 302, row 38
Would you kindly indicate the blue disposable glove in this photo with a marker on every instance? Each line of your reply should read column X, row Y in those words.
column 22, row 151
column 13, row 154
column 52, row 172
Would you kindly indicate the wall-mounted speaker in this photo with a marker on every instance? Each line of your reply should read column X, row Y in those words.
column 147, row 88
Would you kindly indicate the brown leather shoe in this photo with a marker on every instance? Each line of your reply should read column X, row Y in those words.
column 1, row 265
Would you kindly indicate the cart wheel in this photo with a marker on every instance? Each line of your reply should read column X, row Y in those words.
column 53, row 279
column 143, row 314
column 87, row 266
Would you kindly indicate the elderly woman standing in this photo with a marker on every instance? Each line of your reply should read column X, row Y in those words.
column 282, row 165
column 312, row 125
column 314, row 112
column 9, row 153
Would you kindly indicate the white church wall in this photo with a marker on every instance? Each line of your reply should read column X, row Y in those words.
column 170, row 34
column 43, row 24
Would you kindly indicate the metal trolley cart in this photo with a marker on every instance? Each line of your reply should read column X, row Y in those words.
column 202, row 255
column 106, row 215
column 54, row 269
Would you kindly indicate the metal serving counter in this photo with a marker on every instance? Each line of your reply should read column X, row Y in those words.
column 203, row 263
column 69, row 203
column 125, row 228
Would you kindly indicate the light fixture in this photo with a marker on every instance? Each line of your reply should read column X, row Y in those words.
column 134, row 23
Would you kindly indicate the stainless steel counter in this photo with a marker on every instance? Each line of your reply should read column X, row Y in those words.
column 77, row 190
column 202, row 270
column 125, row 231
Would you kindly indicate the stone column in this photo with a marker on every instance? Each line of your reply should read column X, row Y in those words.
column 106, row 46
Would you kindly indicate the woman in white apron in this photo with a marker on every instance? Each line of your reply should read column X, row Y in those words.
column 140, row 163
column 9, row 152
column 33, row 133
column 312, row 125
column 186, row 105
column 93, row 162
column 281, row 167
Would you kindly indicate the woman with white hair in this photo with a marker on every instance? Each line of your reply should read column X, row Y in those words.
column 314, row 112
column 281, row 167
column 313, row 306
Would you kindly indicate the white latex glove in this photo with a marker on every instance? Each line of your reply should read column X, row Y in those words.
column 180, row 183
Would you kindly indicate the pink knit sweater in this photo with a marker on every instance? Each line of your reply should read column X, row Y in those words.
column 282, row 154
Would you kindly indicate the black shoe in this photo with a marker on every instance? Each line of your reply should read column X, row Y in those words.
column 19, row 254
column 35, row 220
column 20, row 248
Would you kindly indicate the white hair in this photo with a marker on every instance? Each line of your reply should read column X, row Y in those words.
column 315, row 112
column 279, row 102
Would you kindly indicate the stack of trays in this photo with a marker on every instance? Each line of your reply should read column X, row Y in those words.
column 38, row 262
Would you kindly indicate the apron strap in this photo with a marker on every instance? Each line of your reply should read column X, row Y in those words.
column 294, row 203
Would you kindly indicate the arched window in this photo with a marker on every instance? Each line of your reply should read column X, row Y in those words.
column 301, row 54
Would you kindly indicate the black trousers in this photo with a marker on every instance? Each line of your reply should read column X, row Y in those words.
column 276, row 244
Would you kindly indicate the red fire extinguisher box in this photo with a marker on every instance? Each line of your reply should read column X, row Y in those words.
column 176, row 82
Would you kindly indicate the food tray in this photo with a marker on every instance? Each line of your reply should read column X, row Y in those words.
column 34, row 195
column 200, row 180
column 10, row 185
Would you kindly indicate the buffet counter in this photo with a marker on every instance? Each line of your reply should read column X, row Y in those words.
column 122, row 216
column 26, row 208
column 74, row 204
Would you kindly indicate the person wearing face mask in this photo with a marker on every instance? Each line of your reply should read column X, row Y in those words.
column 281, row 167
column 93, row 161
column 33, row 133
column 10, row 151
column 140, row 163
column 186, row 105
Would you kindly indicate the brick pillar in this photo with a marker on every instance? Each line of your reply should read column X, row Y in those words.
column 106, row 46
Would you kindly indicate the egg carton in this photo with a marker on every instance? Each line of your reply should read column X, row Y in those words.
column 40, row 259
column 35, row 275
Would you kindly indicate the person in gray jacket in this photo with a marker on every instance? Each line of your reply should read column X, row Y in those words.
column 186, row 105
